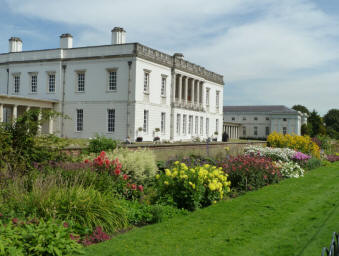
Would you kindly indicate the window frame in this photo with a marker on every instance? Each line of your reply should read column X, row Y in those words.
column 178, row 124
column 163, row 86
column 207, row 96
column 146, row 87
column 78, row 73
column 207, row 126
column 111, row 122
column 108, row 85
column 16, row 87
column 255, row 130
column 184, row 124
column 31, row 75
column 145, row 127
column 201, row 125
column 163, row 123
column 77, row 124
column 196, row 125
column 49, row 74
column 267, row 130
column 284, row 130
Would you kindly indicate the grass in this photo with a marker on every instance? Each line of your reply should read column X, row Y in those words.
column 295, row 217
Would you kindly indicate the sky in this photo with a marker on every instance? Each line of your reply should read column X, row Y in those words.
column 270, row 52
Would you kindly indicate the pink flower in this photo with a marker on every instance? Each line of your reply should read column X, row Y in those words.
column 15, row 220
column 134, row 187
column 65, row 224
column 86, row 161
column 141, row 188
column 117, row 172
column 125, row 177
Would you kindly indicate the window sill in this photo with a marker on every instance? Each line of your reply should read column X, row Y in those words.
column 147, row 93
column 79, row 91
column 51, row 92
column 163, row 96
column 33, row 93
column 111, row 91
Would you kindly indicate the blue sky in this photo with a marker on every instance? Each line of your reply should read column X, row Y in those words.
column 269, row 51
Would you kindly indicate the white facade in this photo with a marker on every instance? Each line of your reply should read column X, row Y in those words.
column 260, row 121
column 113, row 90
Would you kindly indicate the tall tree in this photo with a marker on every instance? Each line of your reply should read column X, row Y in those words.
column 302, row 109
column 331, row 120
column 316, row 123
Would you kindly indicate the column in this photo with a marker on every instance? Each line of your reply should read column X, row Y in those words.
column 50, row 125
column 180, row 88
column 203, row 97
column 198, row 92
column 39, row 120
column 174, row 84
column 192, row 91
column 15, row 112
column 1, row 113
column 186, row 89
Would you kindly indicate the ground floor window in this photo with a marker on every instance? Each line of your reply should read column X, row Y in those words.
column 80, row 120
column 190, row 124
column 146, row 116
column 255, row 131
column 163, row 122
column 284, row 130
column 196, row 125
column 201, row 125
column 184, row 124
column 207, row 126
column 267, row 130
column 178, row 123
column 110, row 120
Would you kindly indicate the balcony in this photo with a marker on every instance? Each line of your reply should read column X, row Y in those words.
column 188, row 105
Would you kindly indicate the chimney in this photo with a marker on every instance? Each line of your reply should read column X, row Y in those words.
column 15, row 44
column 179, row 56
column 118, row 35
column 66, row 41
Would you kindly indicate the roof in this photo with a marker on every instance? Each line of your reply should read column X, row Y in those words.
column 262, row 108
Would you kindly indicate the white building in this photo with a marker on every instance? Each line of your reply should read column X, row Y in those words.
column 118, row 90
column 260, row 121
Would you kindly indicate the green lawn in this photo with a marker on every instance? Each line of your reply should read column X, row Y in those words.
column 295, row 217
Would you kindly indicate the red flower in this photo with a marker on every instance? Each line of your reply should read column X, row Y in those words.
column 15, row 221
column 117, row 172
column 128, row 185
column 125, row 177
column 141, row 188
column 102, row 154
column 134, row 187
column 107, row 162
column 65, row 224
column 86, row 161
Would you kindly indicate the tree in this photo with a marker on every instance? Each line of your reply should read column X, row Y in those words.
column 316, row 122
column 331, row 120
column 302, row 109
column 306, row 129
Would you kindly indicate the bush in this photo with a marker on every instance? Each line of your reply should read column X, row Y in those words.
column 275, row 154
column 290, row 169
column 313, row 163
column 191, row 188
column 332, row 158
column 303, row 144
column 141, row 214
column 250, row 172
column 85, row 206
column 37, row 237
column 101, row 143
column 140, row 165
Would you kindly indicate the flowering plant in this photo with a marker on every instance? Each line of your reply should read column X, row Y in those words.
column 283, row 154
column 290, row 169
column 190, row 188
column 251, row 172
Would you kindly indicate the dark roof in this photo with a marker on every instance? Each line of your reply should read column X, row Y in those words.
column 264, row 108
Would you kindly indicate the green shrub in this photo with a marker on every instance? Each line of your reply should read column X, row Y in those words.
column 140, row 165
column 36, row 238
column 85, row 206
column 101, row 143
column 141, row 214
column 313, row 163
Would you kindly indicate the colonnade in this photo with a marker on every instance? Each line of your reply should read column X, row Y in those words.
column 188, row 90
column 232, row 130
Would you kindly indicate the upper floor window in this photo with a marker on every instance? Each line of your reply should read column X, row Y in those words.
column 207, row 96
column 244, row 118
column 146, row 80
column 112, row 80
column 34, row 82
column 255, row 118
column 233, row 118
column 217, row 100
column 81, row 81
column 110, row 120
column 16, row 78
column 267, row 118
column 51, row 82
column 163, row 85
column 80, row 120
column 284, row 119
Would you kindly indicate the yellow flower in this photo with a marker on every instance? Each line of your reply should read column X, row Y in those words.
column 214, row 202
column 157, row 176
column 166, row 182
column 212, row 186
column 168, row 172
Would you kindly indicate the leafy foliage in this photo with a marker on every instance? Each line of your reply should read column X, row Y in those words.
column 301, row 108
column 316, row 123
column 101, row 143
column 331, row 120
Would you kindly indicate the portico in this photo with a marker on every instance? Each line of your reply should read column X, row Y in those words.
column 11, row 107
column 232, row 129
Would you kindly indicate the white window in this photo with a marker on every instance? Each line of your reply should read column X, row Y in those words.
column 51, row 82
column 145, row 127
column 190, row 124
column 163, row 122
column 196, row 125
column 16, row 83
column 201, row 125
column 178, row 123
column 163, row 86
column 217, row 100
column 207, row 96
column 207, row 126
column 81, row 81
column 80, row 120
column 184, row 124
column 34, row 83
column 110, row 120
column 284, row 130
column 255, row 131
column 217, row 125
column 146, row 81
column 112, row 80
